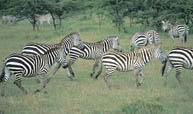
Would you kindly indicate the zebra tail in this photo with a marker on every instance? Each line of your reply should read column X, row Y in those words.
column 185, row 34
column 164, row 66
column 2, row 74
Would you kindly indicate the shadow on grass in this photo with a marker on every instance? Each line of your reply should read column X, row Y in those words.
column 141, row 107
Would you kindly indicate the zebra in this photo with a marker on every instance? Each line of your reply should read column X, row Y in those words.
column 68, row 42
column 29, row 66
column 94, row 51
column 176, row 30
column 178, row 58
column 143, row 39
column 133, row 61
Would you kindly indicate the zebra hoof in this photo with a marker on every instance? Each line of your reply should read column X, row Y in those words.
column 73, row 74
column 91, row 75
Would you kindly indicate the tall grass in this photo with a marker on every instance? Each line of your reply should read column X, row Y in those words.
column 84, row 95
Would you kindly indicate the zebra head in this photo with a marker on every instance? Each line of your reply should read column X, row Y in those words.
column 158, row 53
column 115, row 43
column 165, row 25
column 76, row 40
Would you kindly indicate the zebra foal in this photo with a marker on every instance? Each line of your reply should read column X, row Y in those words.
column 29, row 66
column 176, row 30
column 133, row 61
column 178, row 58
column 139, row 40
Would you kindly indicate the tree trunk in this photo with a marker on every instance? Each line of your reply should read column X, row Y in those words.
column 60, row 19
column 54, row 23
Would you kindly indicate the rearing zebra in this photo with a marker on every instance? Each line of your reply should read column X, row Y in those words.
column 94, row 51
column 130, row 61
column 178, row 58
column 28, row 66
column 176, row 30
column 139, row 40
column 68, row 42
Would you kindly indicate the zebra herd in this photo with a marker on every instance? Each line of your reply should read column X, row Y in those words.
column 36, row 59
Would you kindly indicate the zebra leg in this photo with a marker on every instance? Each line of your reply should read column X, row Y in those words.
column 6, row 74
column 70, row 73
column 143, row 78
column 58, row 65
column 107, row 75
column 99, row 72
column 19, row 85
column 69, row 68
column 167, row 73
column 43, row 82
column 94, row 67
column 3, row 89
column 136, row 73
column 178, row 72
column 181, row 37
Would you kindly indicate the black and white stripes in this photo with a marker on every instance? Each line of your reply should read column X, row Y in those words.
column 67, row 43
column 28, row 66
column 139, row 40
column 94, row 51
column 176, row 30
column 130, row 61
column 178, row 58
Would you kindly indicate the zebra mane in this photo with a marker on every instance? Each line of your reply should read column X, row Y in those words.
column 68, row 36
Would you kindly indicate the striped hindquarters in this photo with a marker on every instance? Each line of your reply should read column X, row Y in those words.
column 139, row 40
column 116, row 61
column 22, row 65
column 181, row 57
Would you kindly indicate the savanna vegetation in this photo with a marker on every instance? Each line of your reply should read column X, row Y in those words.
column 96, row 20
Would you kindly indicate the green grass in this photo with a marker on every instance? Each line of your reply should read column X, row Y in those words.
column 84, row 95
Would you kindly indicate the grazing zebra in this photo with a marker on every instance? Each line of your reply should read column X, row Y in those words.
column 68, row 42
column 143, row 39
column 94, row 51
column 29, row 66
column 176, row 30
column 133, row 61
column 178, row 58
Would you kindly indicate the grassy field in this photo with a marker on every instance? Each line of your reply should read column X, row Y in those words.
column 84, row 95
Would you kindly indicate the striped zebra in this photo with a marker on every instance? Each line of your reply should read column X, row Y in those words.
column 133, row 61
column 68, row 42
column 94, row 51
column 139, row 40
column 178, row 58
column 176, row 30
column 29, row 66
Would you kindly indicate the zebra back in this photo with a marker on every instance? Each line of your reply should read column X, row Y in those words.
column 37, row 49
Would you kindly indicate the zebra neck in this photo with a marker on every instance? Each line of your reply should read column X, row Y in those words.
column 51, row 58
column 107, row 45
column 146, row 56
